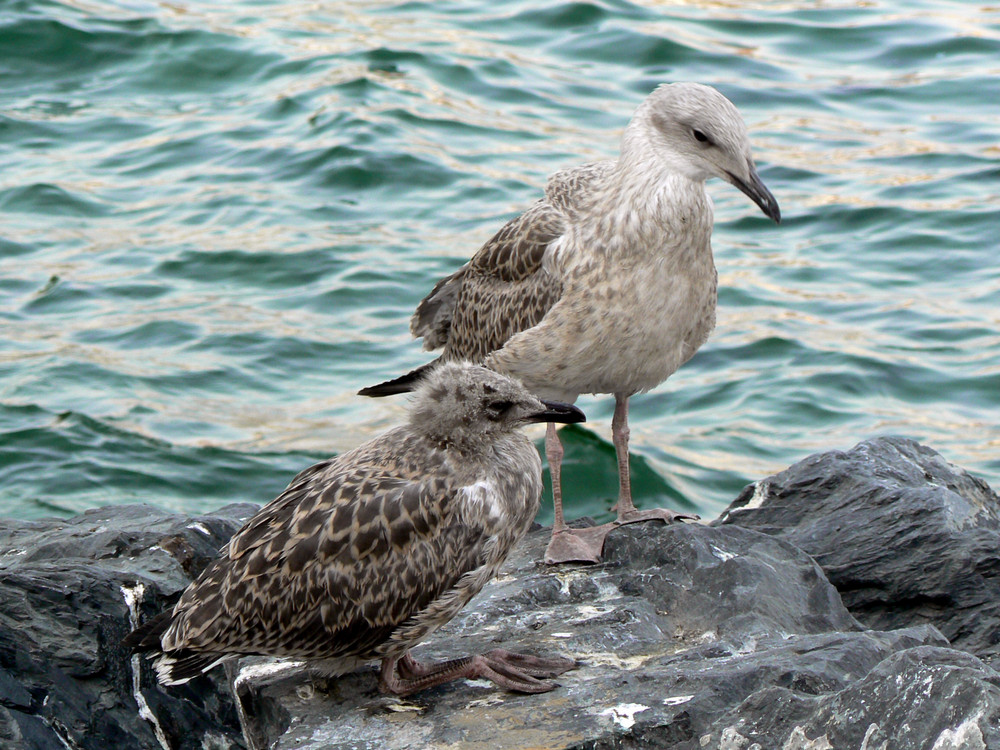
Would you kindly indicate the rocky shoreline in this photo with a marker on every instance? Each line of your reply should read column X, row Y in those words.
column 852, row 600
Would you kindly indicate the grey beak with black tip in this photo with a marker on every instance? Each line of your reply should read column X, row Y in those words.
column 758, row 193
column 556, row 411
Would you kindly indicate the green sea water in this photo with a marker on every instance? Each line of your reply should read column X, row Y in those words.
column 218, row 215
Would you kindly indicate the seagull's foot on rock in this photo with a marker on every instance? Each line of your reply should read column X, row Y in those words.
column 577, row 545
column 536, row 666
column 634, row 515
column 518, row 672
column 586, row 545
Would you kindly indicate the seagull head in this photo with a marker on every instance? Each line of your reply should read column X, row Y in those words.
column 696, row 131
column 459, row 402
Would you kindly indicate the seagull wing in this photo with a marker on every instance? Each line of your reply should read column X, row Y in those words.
column 331, row 567
column 508, row 286
column 504, row 289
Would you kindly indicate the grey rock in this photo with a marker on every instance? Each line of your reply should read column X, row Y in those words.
column 906, row 537
column 924, row 697
column 688, row 636
column 65, row 681
column 680, row 633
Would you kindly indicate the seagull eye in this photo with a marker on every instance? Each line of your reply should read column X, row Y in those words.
column 498, row 408
column 700, row 137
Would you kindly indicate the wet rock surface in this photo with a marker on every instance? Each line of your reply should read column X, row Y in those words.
column 65, row 593
column 905, row 536
column 687, row 636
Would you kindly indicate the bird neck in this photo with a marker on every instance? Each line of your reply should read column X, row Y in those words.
column 460, row 439
column 645, row 208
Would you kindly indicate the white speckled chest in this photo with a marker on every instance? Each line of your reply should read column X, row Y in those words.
column 632, row 311
column 651, row 319
column 504, row 498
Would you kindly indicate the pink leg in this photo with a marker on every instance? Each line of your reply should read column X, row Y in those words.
column 620, row 436
column 627, row 512
column 519, row 672
column 554, row 454
column 566, row 544
column 586, row 545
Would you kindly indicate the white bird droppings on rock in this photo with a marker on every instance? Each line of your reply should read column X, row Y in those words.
column 624, row 714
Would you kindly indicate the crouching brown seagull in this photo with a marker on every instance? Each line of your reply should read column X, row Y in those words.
column 364, row 555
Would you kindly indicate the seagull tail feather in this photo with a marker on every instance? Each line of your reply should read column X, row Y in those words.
column 146, row 637
column 172, row 667
column 178, row 667
column 403, row 384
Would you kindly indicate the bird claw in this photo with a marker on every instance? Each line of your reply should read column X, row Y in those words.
column 536, row 666
column 577, row 545
column 586, row 545
column 519, row 672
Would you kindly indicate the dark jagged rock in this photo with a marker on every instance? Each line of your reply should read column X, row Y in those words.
column 682, row 634
column 65, row 587
column 688, row 636
column 906, row 537
column 924, row 697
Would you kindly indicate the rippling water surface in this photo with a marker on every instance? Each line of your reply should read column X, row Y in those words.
column 218, row 215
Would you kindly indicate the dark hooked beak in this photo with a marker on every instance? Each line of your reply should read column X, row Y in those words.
column 556, row 411
column 755, row 191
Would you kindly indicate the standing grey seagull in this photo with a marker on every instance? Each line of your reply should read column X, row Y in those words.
column 364, row 555
column 606, row 285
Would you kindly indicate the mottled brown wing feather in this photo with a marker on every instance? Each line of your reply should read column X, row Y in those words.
column 502, row 290
column 432, row 319
column 355, row 559
column 269, row 519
